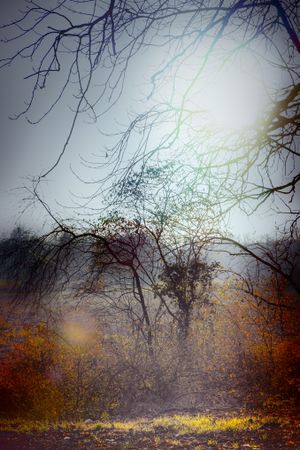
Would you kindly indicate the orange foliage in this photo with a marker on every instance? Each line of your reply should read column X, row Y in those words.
column 27, row 352
column 44, row 376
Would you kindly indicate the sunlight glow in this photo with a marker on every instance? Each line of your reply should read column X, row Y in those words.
column 234, row 97
column 229, row 91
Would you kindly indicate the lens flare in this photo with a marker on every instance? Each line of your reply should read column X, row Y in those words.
column 78, row 327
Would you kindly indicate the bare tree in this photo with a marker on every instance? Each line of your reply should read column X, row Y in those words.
column 73, row 42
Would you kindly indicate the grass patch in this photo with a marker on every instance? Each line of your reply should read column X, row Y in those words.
column 184, row 424
column 181, row 424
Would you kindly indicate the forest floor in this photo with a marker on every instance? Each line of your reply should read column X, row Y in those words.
column 237, row 430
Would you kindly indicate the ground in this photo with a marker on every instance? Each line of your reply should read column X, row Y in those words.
column 198, row 432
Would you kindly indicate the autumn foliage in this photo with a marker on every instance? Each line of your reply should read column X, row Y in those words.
column 43, row 375
column 241, row 353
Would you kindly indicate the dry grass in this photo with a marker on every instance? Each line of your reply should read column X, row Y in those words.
column 181, row 424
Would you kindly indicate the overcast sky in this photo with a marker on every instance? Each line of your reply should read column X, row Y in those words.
column 28, row 150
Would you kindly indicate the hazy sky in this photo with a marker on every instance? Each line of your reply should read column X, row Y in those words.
column 28, row 150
